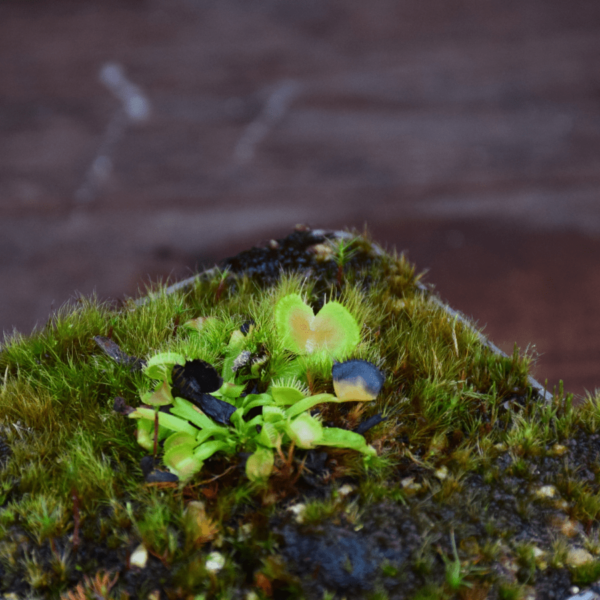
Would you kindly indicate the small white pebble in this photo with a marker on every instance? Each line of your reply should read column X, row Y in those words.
column 574, row 590
column 322, row 252
column 442, row 473
column 576, row 557
column 546, row 491
column 215, row 562
column 537, row 552
column 409, row 484
column 559, row 449
column 538, row 555
column 346, row 489
column 569, row 527
column 139, row 557
column 299, row 510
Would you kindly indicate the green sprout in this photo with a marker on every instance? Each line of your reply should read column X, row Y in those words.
column 456, row 573
column 343, row 255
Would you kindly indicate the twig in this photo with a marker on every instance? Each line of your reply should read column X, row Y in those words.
column 215, row 477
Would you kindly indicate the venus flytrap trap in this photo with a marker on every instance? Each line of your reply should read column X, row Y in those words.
column 333, row 330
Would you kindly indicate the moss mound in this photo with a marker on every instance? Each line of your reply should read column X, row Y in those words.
column 474, row 484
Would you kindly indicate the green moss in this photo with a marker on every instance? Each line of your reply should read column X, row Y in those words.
column 462, row 454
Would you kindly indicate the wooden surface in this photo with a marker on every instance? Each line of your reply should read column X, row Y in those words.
column 464, row 132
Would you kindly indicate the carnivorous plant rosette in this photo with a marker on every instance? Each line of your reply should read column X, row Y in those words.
column 195, row 412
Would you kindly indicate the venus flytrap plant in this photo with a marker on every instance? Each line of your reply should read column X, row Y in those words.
column 191, row 436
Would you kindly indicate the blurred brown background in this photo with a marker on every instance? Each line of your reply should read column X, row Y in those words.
column 143, row 139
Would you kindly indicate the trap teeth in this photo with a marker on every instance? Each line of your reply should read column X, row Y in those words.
column 356, row 380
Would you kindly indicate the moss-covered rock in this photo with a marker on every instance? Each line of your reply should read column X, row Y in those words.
column 433, row 481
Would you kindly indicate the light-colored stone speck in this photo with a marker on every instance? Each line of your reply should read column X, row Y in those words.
column 559, row 449
column 442, row 473
column 346, row 490
column 546, row 491
column 215, row 562
column 139, row 557
column 577, row 557
column 299, row 510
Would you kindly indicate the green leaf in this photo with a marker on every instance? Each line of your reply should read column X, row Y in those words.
column 342, row 438
column 207, row 449
column 166, row 420
column 272, row 414
column 179, row 437
column 293, row 318
column 334, row 330
column 260, row 464
column 290, row 370
column 230, row 390
column 306, row 431
column 308, row 403
column 161, row 396
column 258, row 363
column 253, row 400
column 269, row 436
column 340, row 331
column 160, row 365
column 185, row 409
column 237, row 419
column 234, row 349
column 206, row 434
column 285, row 394
column 180, row 460
column 237, row 339
column 250, row 426
column 145, row 433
